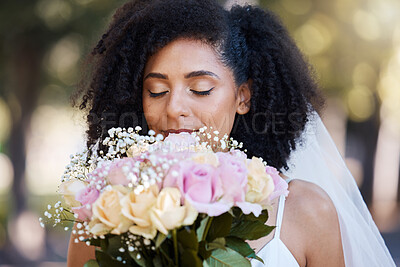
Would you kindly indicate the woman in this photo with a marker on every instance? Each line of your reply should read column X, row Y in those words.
column 178, row 65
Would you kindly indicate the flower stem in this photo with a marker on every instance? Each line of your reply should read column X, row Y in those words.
column 207, row 228
column 175, row 240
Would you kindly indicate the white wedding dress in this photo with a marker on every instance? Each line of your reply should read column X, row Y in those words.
column 275, row 253
column 317, row 160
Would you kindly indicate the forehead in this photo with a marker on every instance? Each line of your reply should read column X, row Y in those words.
column 184, row 55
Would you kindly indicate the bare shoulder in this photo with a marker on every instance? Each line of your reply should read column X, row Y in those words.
column 310, row 200
column 312, row 215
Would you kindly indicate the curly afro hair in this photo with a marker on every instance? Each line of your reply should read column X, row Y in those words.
column 252, row 42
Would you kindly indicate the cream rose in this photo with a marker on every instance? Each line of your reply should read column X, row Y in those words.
column 107, row 212
column 168, row 214
column 136, row 208
column 136, row 150
column 69, row 189
column 98, row 228
column 206, row 158
column 260, row 184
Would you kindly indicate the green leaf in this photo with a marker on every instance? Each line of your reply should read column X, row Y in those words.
column 114, row 244
column 241, row 246
column 166, row 249
column 263, row 217
column 227, row 258
column 237, row 212
column 218, row 243
column 188, row 239
column 157, row 261
column 160, row 239
column 220, row 226
column 93, row 242
column 203, row 252
column 259, row 259
column 106, row 260
column 201, row 228
column 190, row 258
column 140, row 260
column 251, row 230
column 91, row 263
column 104, row 244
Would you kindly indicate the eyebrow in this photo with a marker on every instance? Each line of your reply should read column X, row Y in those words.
column 201, row 73
column 187, row 76
column 156, row 75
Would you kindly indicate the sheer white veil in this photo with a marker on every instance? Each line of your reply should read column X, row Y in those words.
column 317, row 160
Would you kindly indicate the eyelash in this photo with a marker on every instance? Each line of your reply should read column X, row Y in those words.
column 157, row 94
column 200, row 93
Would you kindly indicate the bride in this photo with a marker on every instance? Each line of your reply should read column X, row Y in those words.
column 179, row 65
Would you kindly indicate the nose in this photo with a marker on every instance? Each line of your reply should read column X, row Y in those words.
column 177, row 106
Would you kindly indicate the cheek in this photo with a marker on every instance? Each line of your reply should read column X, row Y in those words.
column 151, row 111
column 219, row 112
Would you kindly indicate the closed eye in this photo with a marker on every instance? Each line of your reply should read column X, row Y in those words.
column 202, row 92
column 157, row 94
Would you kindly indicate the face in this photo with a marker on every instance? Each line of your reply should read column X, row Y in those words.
column 186, row 87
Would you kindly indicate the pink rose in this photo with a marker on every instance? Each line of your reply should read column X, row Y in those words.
column 233, row 173
column 119, row 171
column 280, row 185
column 86, row 197
column 238, row 154
column 180, row 141
column 84, row 212
column 201, row 185
column 181, row 155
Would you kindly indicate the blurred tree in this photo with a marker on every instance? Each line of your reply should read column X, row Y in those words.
column 347, row 43
column 41, row 43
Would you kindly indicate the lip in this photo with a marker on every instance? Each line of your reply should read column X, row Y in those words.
column 174, row 131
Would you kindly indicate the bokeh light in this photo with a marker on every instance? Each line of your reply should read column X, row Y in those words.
column 27, row 236
column 364, row 74
column 389, row 87
column 344, row 9
column 366, row 25
column 84, row 2
column 315, row 36
column 63, row 59
column 5, row 121
column 54, row 135
column 55, row 13
column 6, row 173
column 360, row 103
column 297, row 7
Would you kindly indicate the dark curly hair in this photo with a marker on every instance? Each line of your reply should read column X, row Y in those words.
column 252, row 42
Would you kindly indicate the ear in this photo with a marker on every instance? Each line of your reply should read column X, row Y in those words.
column 243, row 98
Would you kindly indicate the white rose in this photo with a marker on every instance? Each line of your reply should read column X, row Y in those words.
column 136, row 207
column 168, row 214
column 107, row 212
column 69, row 189
column 260, row 184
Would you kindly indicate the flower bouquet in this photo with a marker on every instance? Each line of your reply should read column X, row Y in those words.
column 174, row 202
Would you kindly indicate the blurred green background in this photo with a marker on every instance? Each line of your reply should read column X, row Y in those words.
column 354, row 47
